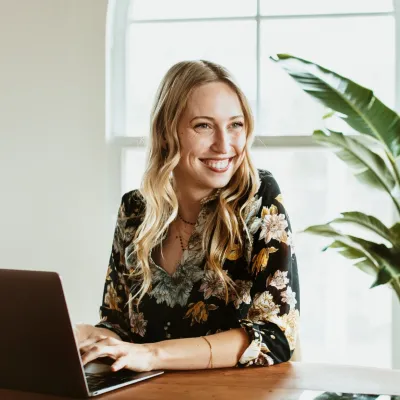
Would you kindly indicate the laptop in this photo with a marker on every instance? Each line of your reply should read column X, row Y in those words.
column 38, row 349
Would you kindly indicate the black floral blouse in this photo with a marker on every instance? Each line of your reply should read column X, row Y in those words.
column 191, row 302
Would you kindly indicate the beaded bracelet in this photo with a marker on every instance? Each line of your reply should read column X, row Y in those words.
column 210, row 363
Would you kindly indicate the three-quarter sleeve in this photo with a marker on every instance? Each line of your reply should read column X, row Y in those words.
column 268, row 304
column 114, row 310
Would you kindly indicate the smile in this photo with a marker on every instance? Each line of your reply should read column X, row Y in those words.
column 218, row 166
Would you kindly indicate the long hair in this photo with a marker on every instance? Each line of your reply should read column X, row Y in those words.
column 224, row 226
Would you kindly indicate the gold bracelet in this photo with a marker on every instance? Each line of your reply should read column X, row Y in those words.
column 210, row 363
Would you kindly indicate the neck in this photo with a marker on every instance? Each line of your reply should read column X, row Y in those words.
column 189, row 206
column 190, row 199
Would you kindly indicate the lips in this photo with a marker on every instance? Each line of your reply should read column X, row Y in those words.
column 217, row 165
column 216, row 159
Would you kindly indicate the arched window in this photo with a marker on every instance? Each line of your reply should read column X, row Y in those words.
column 343, row 321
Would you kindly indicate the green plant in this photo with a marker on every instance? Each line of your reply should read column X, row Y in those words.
column 379, row 127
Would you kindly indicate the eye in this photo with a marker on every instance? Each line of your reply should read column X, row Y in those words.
column 202, row 126
column 237, row 125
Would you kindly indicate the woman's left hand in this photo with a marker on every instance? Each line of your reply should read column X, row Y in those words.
column 136, row 357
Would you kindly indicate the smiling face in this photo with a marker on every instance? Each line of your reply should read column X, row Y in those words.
column 212, row 136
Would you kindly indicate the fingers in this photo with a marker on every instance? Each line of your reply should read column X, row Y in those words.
column 87, row 344
column 98, row 351
column 119, row 364
column 105, row 346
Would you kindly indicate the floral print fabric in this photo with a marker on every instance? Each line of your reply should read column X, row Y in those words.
column 191, row 302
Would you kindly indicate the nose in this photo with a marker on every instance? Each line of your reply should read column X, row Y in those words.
column 222, row 141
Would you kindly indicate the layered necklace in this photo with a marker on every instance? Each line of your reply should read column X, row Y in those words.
column 179, row 234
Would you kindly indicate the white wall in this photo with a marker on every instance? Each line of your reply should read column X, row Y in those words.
column 54, row 210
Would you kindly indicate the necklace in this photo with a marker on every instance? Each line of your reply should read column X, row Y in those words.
column 180, row 240
column 186, row 222
column 179, row 234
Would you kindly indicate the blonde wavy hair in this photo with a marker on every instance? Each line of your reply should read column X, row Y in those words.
column 224, row 226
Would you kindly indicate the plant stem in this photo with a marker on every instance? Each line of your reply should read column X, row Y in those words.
column 394, row 166
column 397, row 175
column 396, row 204
column 395, row 283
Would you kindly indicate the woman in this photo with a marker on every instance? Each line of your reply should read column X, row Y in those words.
column 202, row 272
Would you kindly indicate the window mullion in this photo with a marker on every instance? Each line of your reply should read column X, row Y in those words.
column 260, row 17
column 259, row 141
column 118, row 21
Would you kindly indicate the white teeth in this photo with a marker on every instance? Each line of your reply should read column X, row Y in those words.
column 217, row 165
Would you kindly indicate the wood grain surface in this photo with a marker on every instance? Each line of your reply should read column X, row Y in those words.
column 283, row 381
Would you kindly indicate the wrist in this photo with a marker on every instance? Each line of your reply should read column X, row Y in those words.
column 153, row 356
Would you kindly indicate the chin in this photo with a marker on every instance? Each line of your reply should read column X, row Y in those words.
column 216, row 182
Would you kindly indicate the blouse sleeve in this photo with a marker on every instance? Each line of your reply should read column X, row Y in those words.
column 270, row 309
column 114, row 311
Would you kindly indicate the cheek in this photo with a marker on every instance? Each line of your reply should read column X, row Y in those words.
column 190, row 142
column 240, row 142
column 188, row 158
column 194, row 149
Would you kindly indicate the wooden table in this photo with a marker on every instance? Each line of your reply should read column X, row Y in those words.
column 283, row 381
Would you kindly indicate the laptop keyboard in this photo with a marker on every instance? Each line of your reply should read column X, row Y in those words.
column 101, row 381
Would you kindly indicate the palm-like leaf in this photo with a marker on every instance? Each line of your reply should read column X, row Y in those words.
column 369, row 222
column 365, row 263
column 367, row 165
column 372, row 258
column 355, row 104
column 395, row 231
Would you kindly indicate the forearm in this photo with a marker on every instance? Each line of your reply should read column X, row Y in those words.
column 194, row 353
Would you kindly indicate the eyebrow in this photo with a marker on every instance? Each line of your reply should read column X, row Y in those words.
column 212, row 119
